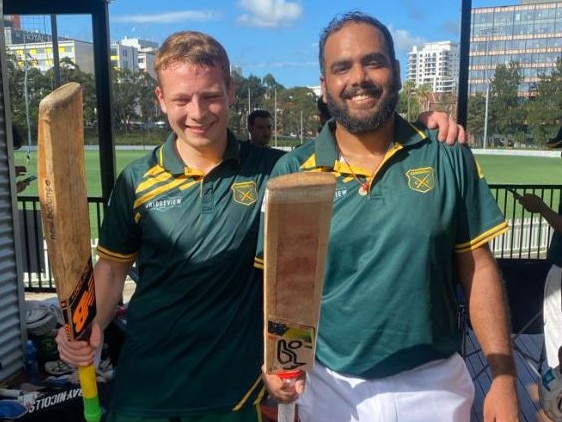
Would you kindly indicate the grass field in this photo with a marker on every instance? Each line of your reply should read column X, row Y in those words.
column 498, row 169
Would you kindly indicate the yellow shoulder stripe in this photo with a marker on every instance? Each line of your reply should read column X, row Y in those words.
column 482, row 239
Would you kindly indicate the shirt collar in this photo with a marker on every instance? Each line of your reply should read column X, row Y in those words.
column 171, row 161
column 406, row 134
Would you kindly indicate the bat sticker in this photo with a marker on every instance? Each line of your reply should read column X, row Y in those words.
column 294, row 344
column 80, row 308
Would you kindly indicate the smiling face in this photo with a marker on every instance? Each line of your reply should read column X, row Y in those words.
column 360, row 81
column 196, row 99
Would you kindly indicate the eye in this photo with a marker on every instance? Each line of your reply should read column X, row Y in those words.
column 339, row 68
column 180, row 102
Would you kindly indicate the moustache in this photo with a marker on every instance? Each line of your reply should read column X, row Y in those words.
column 366, row 88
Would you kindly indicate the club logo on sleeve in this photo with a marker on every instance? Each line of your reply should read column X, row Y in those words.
column 421, row 179
column 245, row 193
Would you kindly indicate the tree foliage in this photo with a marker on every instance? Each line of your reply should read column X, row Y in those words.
column 515, row 120
column 294, row 111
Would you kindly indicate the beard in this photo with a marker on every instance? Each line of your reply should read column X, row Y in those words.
column 357, row 125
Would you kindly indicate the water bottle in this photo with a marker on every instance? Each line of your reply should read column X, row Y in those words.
column 30, row 363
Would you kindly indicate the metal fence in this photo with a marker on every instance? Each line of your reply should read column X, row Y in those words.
column 37, row 275
column 528, row 237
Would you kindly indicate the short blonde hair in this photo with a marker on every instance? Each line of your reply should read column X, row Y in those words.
column 195, row 48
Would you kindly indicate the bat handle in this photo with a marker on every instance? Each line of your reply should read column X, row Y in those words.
column 286, row 411
column 87, row 375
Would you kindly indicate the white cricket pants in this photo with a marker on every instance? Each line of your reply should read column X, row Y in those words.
column 440, row 391
column 552, row 315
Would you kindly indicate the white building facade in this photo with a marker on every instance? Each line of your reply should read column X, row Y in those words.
column 435, row 64
column 36, row 50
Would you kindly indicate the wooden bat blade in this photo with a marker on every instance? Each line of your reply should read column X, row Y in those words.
column 65, row 215
column 298, row 209
column 64, row 204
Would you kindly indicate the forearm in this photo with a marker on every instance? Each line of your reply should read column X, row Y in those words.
column 553, row 218
column 487, row 307
column 109, row 281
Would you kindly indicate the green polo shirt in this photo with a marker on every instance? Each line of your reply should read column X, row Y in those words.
column 194, row 326
column 388, row 302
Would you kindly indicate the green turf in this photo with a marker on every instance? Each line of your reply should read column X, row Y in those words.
column 498, row 169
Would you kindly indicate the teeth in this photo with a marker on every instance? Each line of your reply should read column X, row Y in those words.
column 360, row 97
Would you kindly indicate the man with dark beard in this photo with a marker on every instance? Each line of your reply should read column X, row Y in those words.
column 411, row 218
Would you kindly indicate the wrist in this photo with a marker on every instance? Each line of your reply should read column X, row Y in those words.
column 501, row 365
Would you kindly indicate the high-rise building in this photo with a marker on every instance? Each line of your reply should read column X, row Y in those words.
column 435, row 64
column 36, row 50
column 146, row 52
column 529, row 33
column 124, row 56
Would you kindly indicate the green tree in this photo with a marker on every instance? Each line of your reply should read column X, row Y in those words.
column 507, row 113
column 27, row 87
column 475, row 117
column 125, row 98
column 148, row 104
column 71, row 72
column 422, row 94
column 407, row 104
column 544, row 110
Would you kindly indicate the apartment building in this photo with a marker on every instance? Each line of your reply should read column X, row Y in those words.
column 435, row 64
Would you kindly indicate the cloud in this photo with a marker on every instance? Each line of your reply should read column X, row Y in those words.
column 404, row 41
column 269, row 13
column 169, row 17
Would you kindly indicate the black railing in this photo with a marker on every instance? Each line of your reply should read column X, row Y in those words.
column 37, row 276
column 529, row 236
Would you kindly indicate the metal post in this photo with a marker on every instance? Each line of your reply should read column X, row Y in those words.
column 462, row 103
column 275, row 115
column 485, row 141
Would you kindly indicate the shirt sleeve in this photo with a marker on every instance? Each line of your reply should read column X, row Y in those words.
column 480, row 218
column 286, row 164
column 120, row 232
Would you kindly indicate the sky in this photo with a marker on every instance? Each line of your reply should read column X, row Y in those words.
column 279, row 37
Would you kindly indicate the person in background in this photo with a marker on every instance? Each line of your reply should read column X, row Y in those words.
column 552, row 302
column 188, row 215
column 323, row 112
column 411, row 218
column 555, row 142
column 260, row 127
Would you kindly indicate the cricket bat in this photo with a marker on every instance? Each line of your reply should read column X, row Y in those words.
column 65, row 216
column 298, row 210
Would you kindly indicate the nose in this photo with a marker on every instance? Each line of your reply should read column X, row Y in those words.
column 195, row 108
column 358, row 75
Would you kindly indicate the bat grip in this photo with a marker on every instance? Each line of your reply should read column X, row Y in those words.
column 87, row 375
column 286, row 411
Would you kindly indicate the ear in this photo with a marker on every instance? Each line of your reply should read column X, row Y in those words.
column 161, row 100
column 397, row 75
column 231, row 93
column 323, row 88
